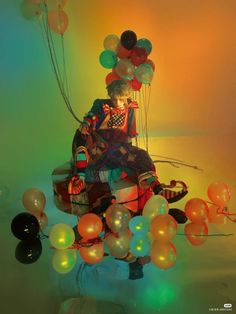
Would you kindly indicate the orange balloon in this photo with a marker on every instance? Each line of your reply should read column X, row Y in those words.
column 34, row 200
column 196, row 233
column 163, row 228
column 55, row 4
column 58, row 21
column 196, row 210
column 214, row 217
column 92, row 254
column 163, row 255
column 219, row 193
column 89, row 226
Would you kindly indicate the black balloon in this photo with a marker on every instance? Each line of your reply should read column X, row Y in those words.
column 128, row 39
column 28, row 252
column 25, row 227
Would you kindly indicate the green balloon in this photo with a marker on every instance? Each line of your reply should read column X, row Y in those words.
column 61, row 236
column 63, row 261
column 108, row 59
column 144, row 73
column 145, row 43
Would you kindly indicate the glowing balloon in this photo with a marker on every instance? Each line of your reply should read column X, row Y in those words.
column 214, row 217
column 139, row 225
column 119, row 245
column 89, row 226
column 196, row 210
column 122, row 52
column 112, row 76
column 108, row 59
column 92, row 254
column 144, row 73
column 138, row 55
column 163, row 228
column 125, row 69
column 196, row 233
column 146, row 44
column 219, row 193
column 111, row 42
column 63, row 261
column 58, row 21
column 42, row 219
column 128, row 39
column 117, row 217
column 156, row 205
column 34, row 200
column 163, row 254
column 139, row 245
column 61, row 236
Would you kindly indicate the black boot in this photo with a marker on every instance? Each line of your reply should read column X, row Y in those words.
column 135, row 270
column 178, row 215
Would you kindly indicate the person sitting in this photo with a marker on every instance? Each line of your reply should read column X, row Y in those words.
column 103, row 145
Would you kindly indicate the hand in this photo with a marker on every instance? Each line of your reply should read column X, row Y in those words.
column 85, row 129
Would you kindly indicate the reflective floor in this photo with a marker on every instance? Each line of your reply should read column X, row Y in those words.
column 202, row 281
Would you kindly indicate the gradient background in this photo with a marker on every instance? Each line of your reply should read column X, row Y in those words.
column 192, row 117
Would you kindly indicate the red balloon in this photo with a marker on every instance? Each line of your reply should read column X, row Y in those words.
column 58, row 21
column 219, row 193
column 112, row 76
column 122, row 52
column 196, row 210
column 196, row 233
column 138, row 55
column 89, row 226
column 135, row 84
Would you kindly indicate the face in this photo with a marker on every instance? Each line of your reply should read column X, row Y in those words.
column 120, row 101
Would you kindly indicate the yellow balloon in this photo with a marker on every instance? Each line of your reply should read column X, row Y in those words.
column 119, row 246
column 111, row 42
column 117, row 217
column 61, row 236
column 156, row 205
column 63, row 261
column 34, row 200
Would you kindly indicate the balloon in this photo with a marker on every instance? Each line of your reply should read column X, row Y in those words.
column 42, row 219
column 214, row 217
column 55, row 4
column 63, row 261
column 112, row 76
column 219, row 193
column 34, row 200
column 135, row 84
column 128, row 39
column 146, row 44
column 119, row 245
column 196, row 233
column 28, row 252
column 108, row 59
column 89, row 226
column 122, row 52
column 139, row 225
column 111, row 42
column 156, row 205
column 139, row 245
column 151, row 63
column 92, row 254
column 58, row 21
column 163, row 228
column 25, row 227
column 61, row 236
column 117, row 217
column 138, row 55
column 196, row 210
column 125, row 69
column 163, row 255
column 144, row 73
column 30, row 9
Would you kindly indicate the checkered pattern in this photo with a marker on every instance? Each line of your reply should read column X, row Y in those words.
column 117, row 119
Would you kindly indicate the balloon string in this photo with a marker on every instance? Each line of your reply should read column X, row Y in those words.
column 207, row 235
column 176, row 164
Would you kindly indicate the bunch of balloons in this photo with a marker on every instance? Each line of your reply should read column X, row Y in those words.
column 127, row 56
column 26, row 226
column 57, row 19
